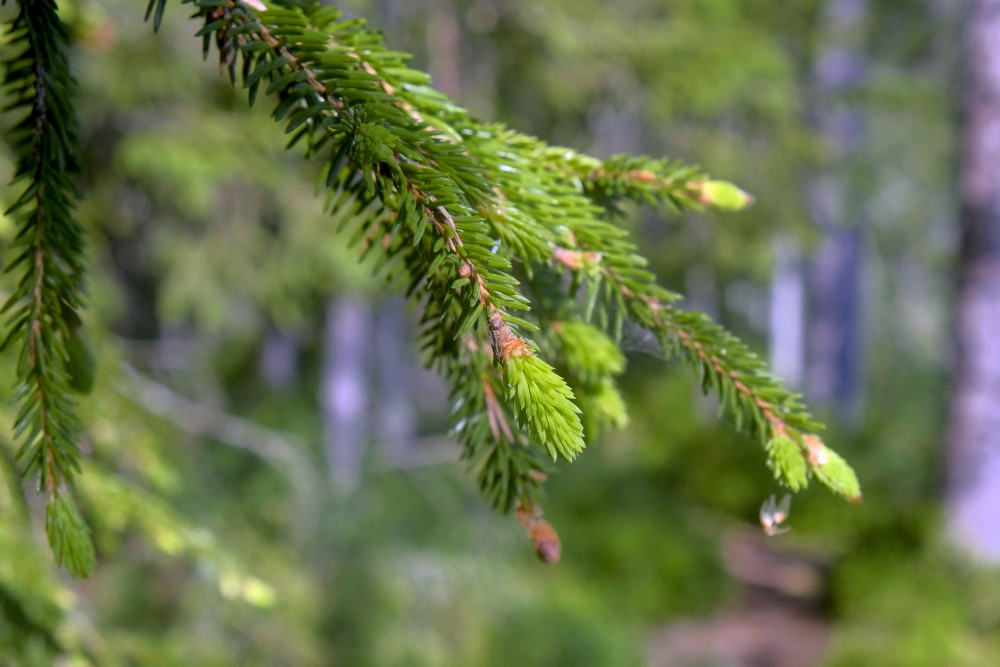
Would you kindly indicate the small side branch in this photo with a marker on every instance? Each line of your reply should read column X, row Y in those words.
column 277, row 448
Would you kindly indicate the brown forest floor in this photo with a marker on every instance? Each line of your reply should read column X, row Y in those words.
column 777, row 620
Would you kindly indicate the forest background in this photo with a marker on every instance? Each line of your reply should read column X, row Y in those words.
column 284, row 487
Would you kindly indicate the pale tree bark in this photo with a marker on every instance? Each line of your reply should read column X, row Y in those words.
column 973, row 492
column 787, row 313
column 277, row 362
column 834, row 274
column 444, row 49
column 344, row 388
column 396, row 421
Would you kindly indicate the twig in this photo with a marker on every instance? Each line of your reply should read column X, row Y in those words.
column 279, row 449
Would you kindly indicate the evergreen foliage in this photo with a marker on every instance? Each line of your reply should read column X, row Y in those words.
column 47, row 256
column 508, row 244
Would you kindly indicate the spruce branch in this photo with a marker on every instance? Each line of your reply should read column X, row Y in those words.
column 509, row 471
column 635, row 178
column 43, row 322
column 740, row 380
column 476, row 217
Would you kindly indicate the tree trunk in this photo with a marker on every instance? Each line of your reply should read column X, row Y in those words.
column 344, row 388
column 444, row 50
column 787, row 313
column 277, row 362
column 973, row 493
column 833, row 377
column 396, row 425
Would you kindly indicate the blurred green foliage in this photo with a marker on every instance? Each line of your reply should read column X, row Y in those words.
column 210, row 555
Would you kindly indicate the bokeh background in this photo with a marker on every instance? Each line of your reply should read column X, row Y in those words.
column 270, row 476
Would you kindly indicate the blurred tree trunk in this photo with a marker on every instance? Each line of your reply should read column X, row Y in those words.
column 616, row 122
column 278, row 360
column 444, row 49
column 973, row 493
column 833, row 339
column 396, row 421
column 344, row 388
column 787, row 313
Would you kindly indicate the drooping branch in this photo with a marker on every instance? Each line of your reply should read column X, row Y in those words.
column 476, row 217
column 44, row 324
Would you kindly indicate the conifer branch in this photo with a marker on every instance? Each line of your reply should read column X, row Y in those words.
column 234, row 17
column 633, row 178
column 477, row 217
column 44, row 321
column 740, row 380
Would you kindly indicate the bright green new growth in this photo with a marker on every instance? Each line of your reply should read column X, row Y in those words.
column 543, row 405
column 832, row 470
column 592, row 362
column 472, row 218
column 784, row 457
column 591, row 356
column 725, row 196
